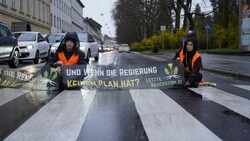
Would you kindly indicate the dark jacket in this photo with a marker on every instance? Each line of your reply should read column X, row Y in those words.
column 190, row 73
column 76, row 49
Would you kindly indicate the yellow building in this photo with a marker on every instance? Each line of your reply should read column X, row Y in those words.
column 26, row 15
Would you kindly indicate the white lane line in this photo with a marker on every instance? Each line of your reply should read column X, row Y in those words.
column 8, row 94
column 237, row 104
column 245, row 87
column 59, row 120
column 164, row 119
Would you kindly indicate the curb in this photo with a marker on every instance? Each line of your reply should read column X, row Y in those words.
column 229, row 53
column 229, row 73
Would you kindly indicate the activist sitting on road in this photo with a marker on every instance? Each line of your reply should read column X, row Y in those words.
column 192, row 63
column 68, row 52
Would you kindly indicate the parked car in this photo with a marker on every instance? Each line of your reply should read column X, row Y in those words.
column 54, row 38
column 32, row 46
column 87, row 44
column 124, row 48
column 9, row 50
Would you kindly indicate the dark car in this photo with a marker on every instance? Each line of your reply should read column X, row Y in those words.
column 9, row 50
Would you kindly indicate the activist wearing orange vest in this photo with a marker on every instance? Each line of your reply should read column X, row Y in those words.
column 192, row 63
column 68, row 52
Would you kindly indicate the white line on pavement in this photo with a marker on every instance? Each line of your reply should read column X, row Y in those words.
column 8, row 94
column 59, row 120
column 164, row 119
column 245, row 87
column 238, row 104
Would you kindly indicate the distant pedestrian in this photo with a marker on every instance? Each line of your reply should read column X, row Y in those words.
column 191, row 33
column 192, row 63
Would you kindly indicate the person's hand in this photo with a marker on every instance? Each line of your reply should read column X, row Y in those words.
column 187, row 84
column 59, row 63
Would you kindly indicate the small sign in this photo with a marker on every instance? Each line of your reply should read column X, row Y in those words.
column 183, row 39
column 207, row 26
column 163, row 28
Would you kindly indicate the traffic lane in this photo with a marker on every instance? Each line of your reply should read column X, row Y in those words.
column 232, row 58
column 17, row 111
column 231, row 63
column 112, row 117
column 133, row 59
column 106, row 58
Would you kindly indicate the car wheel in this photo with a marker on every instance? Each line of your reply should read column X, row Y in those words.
column 15, row 60
column 97, row 56
column 36, row 60
column 88, row 56
column 48, row 57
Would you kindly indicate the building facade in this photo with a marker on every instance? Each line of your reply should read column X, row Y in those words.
column 77, row 16
column 60, row 16
column 94, row 28
column 26, row 15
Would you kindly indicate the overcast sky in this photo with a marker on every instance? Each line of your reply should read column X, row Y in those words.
column 96, row 8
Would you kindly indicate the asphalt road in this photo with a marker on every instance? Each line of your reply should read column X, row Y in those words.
column 204, row 113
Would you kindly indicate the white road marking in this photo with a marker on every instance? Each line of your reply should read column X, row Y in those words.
column 8, row 94
column 237, row 104
column 59, row 120
column 164, row 119
column 245, row 87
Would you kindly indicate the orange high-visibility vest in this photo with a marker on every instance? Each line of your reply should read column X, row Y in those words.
column 72, row 60
column 196, row 56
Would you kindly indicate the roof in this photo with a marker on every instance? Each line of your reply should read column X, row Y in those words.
column 93, row 23
column 80, row 3
column 27, row 32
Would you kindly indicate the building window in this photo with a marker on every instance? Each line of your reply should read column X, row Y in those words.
column 13, row 4
column 21, row 5
column 57, row 3
column 54, row 2
column 51, row 20
column 34, row 8
column 3, row 1
column 39, row 8
column 54, row 21
column 43, row 5
column 64, row 7
column 57, row 21
column 47, row 14
column 28, row 7
column 60, row 4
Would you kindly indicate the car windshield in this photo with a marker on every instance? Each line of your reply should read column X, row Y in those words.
column 83, row 37
column 54, row 38
column 124, row 45
column 25, row 36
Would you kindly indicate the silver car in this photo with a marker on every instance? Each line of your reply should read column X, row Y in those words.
column 9, row 50
column 32, row 46
column 124, row 48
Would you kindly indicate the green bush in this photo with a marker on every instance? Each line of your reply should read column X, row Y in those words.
column 226, row 37
column 135, row 47
column 155, row 49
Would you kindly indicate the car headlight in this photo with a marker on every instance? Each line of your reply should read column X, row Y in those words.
column 54, row 48
column 29, row 47
column 82, row 48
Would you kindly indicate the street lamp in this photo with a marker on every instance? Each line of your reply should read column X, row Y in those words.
column 163, row 28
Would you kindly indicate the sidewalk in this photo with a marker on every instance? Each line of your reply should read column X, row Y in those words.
column 232, row 65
